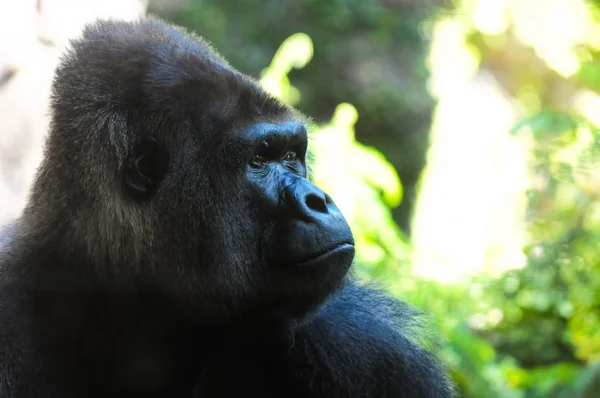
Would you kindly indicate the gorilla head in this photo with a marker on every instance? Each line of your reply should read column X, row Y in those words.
column 166, row 167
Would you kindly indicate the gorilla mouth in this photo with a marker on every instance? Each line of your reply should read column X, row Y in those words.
column 326, row 255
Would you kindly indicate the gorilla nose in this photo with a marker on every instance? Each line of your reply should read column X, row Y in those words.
column 316, row 202
column 308, row 202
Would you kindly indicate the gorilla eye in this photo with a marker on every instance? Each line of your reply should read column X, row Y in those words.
column 257, row 161
column 291, row 156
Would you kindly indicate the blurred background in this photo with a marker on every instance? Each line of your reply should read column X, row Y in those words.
column 459, row 137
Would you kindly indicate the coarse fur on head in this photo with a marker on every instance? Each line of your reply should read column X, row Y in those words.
column 148, row 87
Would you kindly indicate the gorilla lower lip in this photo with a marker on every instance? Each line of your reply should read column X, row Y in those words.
column 344, row 247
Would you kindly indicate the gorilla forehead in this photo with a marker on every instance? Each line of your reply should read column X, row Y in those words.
column 155, row 68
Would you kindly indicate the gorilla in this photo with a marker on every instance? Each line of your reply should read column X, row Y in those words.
column 173, row 246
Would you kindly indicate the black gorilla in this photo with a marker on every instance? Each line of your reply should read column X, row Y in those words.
column 172, row 245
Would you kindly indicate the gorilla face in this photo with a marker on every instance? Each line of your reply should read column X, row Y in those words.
column 308, row 229
column 307, row 246
column 211, row 196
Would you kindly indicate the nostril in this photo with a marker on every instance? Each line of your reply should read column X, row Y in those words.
column 317, row 203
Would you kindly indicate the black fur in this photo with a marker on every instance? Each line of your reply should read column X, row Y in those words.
column 152, row 261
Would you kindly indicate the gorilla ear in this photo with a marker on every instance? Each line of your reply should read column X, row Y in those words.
column 146, row 168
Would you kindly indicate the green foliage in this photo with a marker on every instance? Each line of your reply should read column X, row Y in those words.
column 294, row 53
column 547, row 341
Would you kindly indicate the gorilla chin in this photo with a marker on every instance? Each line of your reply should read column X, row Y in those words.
column 308, row 281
